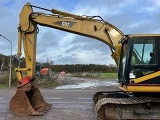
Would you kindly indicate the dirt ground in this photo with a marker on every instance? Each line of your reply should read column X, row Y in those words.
column 83, row 82
column 69, row 104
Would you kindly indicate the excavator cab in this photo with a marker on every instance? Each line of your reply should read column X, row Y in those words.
column 139, row 59
column 139, row 81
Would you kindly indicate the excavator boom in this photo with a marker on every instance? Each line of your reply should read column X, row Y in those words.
column 81, row 25
column 31, row 101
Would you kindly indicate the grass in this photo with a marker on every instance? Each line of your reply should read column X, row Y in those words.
column 109, row 75
column 98, row 75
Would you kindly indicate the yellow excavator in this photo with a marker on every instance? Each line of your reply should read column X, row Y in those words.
column 137, row 58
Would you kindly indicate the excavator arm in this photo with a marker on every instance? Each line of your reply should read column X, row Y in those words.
column 28, row 99
column 82, row 25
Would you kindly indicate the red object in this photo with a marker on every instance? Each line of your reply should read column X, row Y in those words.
column 44, row 71
column 25, row 80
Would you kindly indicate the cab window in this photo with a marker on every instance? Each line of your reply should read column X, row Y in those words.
column 143, row 56
column 144, row 52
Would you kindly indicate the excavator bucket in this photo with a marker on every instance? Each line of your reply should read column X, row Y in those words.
column 28, row 100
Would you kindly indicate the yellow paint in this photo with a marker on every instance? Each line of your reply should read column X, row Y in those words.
column 137, row 88
column 146, row 77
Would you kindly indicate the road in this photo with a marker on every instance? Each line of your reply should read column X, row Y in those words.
column 67, row 105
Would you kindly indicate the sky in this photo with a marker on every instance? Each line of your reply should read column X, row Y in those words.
column 130, row 16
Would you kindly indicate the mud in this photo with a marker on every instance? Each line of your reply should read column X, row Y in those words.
column 67, row 82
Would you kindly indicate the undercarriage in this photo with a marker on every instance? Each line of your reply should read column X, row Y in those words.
column 120, row 106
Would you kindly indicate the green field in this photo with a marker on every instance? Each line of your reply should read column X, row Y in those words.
column 109, row 75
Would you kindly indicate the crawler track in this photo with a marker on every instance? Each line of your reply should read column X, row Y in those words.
column 128, row 108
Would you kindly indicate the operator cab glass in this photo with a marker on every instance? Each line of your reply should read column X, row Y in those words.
column 139, row 58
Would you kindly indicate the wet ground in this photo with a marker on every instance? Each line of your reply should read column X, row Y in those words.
column 89, row 84
column 70, row 102
column 85, row 83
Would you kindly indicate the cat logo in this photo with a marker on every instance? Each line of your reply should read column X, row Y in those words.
column 67, row 24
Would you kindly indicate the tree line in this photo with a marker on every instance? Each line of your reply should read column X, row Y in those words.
column 4, row 62
column 81, row 68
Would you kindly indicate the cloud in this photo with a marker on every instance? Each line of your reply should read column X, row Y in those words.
column 130, row 16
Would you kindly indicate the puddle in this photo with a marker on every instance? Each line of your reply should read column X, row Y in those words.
column 88, row 84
